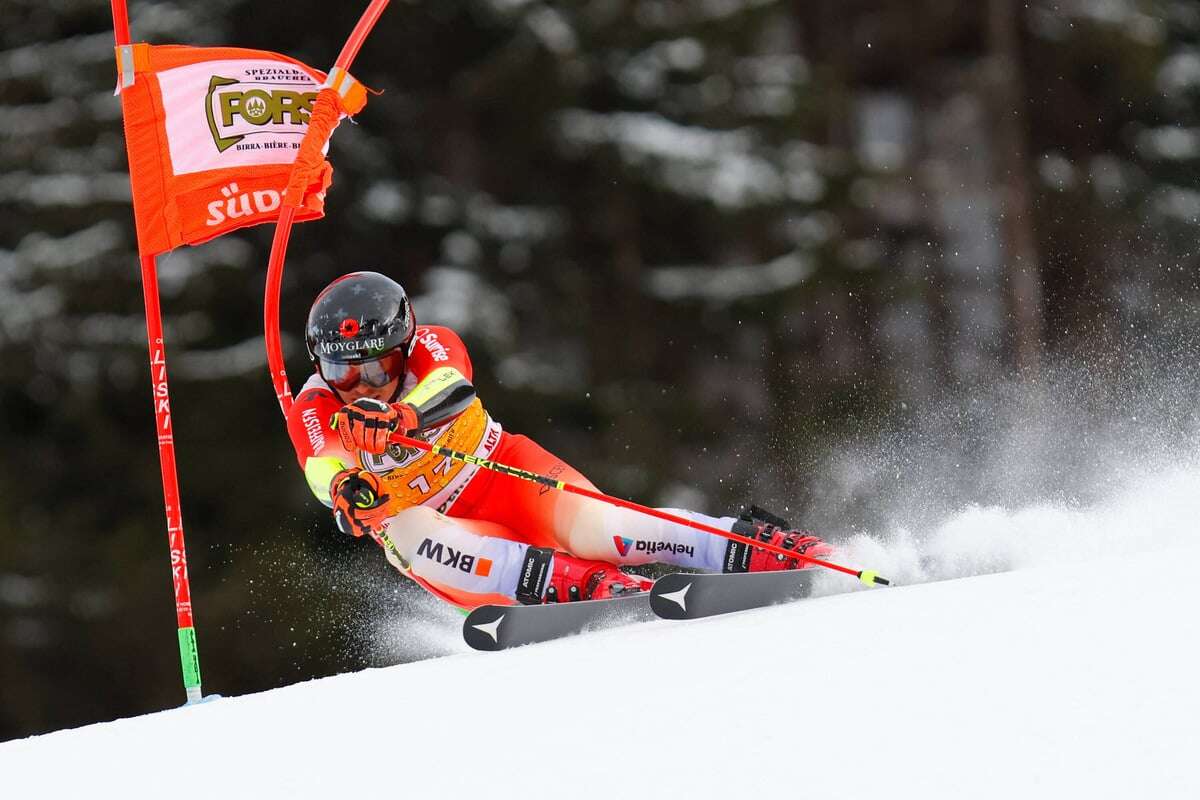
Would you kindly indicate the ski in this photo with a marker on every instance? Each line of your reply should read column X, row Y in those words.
column 695, row 595
column 502, row 627
column 674, row 596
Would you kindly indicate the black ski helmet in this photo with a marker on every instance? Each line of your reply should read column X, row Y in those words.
column 360, row 328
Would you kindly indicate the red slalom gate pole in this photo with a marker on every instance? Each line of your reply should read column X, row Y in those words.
column 868, row 577
column 283, row 228
column 283, row 232
column 189, row 655
column 120, row 15
column 354, row 41
column 279, row 378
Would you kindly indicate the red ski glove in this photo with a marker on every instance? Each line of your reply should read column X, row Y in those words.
column 548, row 576
column 359, row 504
column 366, row 423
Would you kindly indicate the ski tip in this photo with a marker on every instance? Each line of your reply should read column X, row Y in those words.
column 872, row 578
column 481, row 628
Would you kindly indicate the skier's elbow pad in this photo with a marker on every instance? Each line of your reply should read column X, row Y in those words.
column 441, row 396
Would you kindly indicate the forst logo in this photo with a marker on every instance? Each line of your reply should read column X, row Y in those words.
column 258, row 104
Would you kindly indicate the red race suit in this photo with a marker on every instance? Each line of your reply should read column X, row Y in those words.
column 462, row 530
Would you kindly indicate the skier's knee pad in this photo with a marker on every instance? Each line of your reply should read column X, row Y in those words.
column 415, row 523
column 413, row 517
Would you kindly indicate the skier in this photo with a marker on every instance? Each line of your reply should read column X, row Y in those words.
column 469, row 535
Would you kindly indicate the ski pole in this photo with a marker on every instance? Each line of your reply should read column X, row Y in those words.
column 383, row 540
column 867, row 576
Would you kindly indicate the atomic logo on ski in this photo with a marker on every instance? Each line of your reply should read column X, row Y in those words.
column 492, row 629
column 622, row 544
column 679, row 598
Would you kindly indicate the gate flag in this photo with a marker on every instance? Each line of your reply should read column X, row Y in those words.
column 212, row 133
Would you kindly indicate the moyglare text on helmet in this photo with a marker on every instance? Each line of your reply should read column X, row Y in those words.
column 325, row 348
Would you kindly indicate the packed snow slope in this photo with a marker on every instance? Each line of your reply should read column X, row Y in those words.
column 1077, row 679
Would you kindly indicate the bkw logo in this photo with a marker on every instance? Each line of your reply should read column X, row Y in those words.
column 455, row 559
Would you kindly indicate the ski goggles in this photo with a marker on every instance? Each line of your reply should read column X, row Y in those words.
column 376, row 373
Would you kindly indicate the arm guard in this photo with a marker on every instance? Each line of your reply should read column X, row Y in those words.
column 441, row 396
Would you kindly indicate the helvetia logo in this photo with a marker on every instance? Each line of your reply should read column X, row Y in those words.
column 237, row 109
column 625, row 545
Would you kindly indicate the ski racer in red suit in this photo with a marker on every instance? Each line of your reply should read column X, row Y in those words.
column 470, row 535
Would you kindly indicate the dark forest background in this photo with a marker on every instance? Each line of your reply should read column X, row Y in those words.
column 859, row 262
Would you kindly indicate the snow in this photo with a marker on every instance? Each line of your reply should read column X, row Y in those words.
column 1180, row 72
column 720, row 285
column 725, row 167
column 1169, row 142
column 1073, row 675
column 552, row 30
column 65, row 190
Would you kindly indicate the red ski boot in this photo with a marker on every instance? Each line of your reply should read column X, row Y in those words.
column 549, row 576
column 766, row 527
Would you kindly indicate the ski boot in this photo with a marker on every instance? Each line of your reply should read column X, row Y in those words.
column 755, row 523
column 549, row 576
